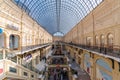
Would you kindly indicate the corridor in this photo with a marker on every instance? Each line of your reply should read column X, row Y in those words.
column 61, row 68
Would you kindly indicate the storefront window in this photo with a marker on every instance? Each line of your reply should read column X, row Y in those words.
column 12, row 69
column 30, row 65
column 25, row 74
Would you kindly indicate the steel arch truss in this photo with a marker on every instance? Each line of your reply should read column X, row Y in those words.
column 57, row 15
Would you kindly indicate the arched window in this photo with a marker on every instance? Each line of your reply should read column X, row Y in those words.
column 96, row 41
column 102, row 40
column 14, row 42
column 110, row 40
column 89, row 41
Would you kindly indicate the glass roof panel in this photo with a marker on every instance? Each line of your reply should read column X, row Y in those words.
column 57, row 15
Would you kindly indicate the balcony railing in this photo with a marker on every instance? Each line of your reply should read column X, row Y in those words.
column 107, row 50
column 27, row 48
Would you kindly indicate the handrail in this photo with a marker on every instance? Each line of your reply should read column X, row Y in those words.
column 24, row 49
column 32, row 46
column 113, row 50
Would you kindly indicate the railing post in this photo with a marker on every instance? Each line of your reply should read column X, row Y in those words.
column 105, row 50
column 100, row 49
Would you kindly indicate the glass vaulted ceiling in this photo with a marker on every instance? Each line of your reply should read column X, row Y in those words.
column 57, row 15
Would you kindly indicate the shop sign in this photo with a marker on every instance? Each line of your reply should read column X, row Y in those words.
column 12, row 27
column 27, row 59
column 1, row 30
column 1, row 67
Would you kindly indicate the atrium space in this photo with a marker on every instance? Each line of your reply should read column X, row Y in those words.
column 59, row 39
